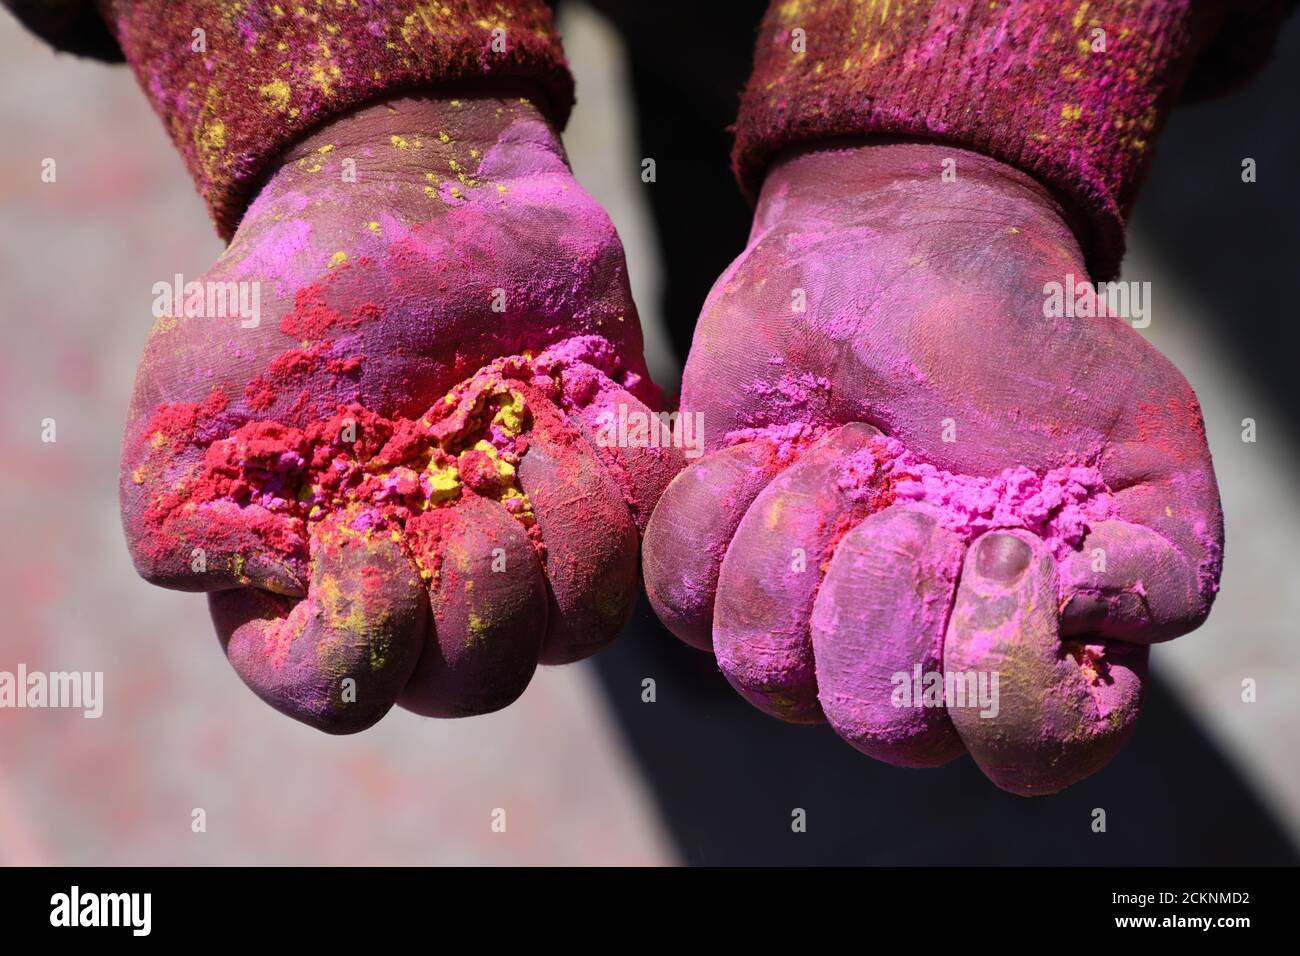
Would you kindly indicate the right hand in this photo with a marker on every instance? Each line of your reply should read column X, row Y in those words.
column 390, row 485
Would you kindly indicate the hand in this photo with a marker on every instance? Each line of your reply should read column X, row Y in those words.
column 388, row 478
column 913, row 473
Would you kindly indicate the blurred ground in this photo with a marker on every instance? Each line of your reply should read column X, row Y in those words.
column 77, row 260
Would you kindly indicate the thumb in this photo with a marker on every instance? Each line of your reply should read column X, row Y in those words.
column 338, row 658
column 1060, row 710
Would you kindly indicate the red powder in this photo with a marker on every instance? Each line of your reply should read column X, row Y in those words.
column 179, row 422
column 344, row 366
column 425, row 533
column 479, row 472
column 372, row 579
column 259, row 395
column 296, row 363
column 259, row 486
column 291, row 368
column 312, row 318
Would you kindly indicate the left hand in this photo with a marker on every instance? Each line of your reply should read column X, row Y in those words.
column 911, row 467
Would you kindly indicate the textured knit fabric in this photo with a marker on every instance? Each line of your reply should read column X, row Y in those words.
column 1074, row 92
column 1030, row 82
column 260, row 74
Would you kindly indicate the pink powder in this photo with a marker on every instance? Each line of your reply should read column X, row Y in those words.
column 789, row 441
column 1059, row 506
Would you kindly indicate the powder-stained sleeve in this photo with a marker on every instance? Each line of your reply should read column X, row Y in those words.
column 237, row 81
column 1072, row 91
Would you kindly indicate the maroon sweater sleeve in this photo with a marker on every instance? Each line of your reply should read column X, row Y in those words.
column 1071, row 91
column 237, row 81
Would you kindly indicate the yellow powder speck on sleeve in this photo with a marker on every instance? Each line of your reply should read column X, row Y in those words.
column 278, row 93
column 214, row 135
column 373, row 227
column 327, row 148
column 399, row 142
column 338, row 258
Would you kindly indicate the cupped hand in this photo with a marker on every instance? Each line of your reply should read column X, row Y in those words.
column 386, row 468
column 935, row 511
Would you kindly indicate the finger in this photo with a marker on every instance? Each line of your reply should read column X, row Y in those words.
column 179, row 541
column 877, row 633
column 1167, row 487
column 689, row 532
column 488, row 599
column 1127, row 582
column 337, row 659
column 589, row 540
column 642, row 450
column 1054, row 712
column 772, row 568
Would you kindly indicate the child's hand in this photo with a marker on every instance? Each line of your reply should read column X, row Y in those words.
column 385, row 468
column 914, row 472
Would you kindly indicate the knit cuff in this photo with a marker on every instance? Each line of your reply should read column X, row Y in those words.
column 1072, row 93
column 237, row 82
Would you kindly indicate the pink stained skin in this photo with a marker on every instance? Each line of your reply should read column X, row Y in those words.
column 874, row 292
column 686, row 564
column 768, row 582
column 894, row 574
column 487, row 627
column 445, row 317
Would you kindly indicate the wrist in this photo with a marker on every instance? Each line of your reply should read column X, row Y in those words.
column 905, row 184
column 259, row 77
column 408, row 156
column 473, row 114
